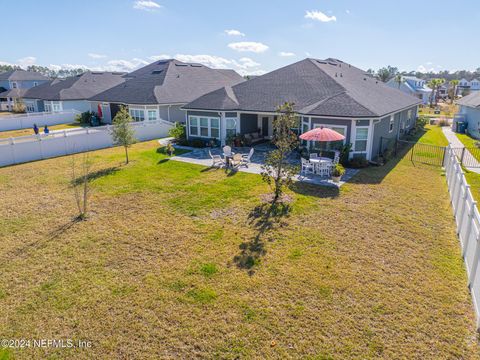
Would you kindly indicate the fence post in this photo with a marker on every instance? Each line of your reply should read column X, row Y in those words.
column 463, row 207
column 443, row 157
column 411, row 152
column 461, row 157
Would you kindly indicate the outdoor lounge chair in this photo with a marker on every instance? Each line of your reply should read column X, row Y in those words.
column 236, row 160
column 216, row 160
column 246, row 158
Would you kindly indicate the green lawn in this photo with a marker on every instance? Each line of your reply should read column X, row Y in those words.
column 434, row 136
column 29, row 131
column 180, row 261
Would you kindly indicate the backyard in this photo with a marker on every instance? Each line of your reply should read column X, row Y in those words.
column 181, row 261
column 29, row 131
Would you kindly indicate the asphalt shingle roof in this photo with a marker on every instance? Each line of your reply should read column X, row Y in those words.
column 317, row 87
column 472, row 100
column 22, row 75
column 168, row 82
column 80, row 87
column 13, row 93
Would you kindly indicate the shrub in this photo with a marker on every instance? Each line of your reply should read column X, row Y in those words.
column 421, row 122
column 442, row 122
column 197, row 143
column 345, row 153
column 85, row 117
column 177, row 132
column 338, row 170
column 170, row 149
column 359, row 162
column 19, row 107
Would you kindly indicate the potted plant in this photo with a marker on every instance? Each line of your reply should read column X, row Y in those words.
column 337, row 172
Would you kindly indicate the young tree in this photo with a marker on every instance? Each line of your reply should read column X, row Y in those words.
column 454, row 84
column 435, row 84
column 122, row 132
column 399, row 80
column 277, row 171
column 80, row 187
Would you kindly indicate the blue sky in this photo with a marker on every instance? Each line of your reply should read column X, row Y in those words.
column 251, row 36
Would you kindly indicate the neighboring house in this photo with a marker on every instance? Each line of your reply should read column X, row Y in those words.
column 413, row 86
column 14, row 84
column 71, row 93
column 470, row 112
column 475, row 85
column 160, row 89
column 327, row 93
column 463, row 87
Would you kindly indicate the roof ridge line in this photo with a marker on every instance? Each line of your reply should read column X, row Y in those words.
column 314, row 105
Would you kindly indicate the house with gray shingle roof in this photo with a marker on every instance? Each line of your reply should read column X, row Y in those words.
column 71, row 93
column 329, row 93
column 469, row 111
column 159, row 90
column 15, row 83
column 413, row 86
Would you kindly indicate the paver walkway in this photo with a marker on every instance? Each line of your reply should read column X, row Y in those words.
column 474, row 164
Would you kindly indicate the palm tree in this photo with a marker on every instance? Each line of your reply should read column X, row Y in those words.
column 399, row 80
column 435, row 84
column 454, row 84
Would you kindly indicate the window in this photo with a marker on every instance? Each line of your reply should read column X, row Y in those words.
column 231, row 127
column 14, row 85
column 204, row 127
column 392, row 123
column 137, row 114
column 30, row 107
column 35, row 83
column 214, row 128
column 56, row 107
column 48, row 107
column 193, row 126
column 152, row 115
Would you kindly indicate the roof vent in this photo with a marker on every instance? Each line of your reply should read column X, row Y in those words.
column 156, row 72
column 162, row 62
column 321, row 62
column 184, row 65
column 336, row 75
column 341, row 75
column 365, row 79
column 196, row 65
column 97, row 73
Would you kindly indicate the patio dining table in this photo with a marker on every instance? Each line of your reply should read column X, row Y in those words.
column 318, row 162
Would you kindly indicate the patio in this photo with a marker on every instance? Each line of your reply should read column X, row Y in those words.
column 202, row 157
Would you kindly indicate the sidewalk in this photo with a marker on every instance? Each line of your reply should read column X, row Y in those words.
column 456, row 143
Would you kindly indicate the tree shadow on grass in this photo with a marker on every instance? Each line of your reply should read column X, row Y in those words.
column 96, row 175
column 264, row 218
column 64, row 228
column 319, row 191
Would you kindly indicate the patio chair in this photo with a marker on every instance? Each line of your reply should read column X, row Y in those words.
column 236, row 160
column 246, row 158
column 307, row 167
column 216, row 160
column 227, row 151
column 324, row 169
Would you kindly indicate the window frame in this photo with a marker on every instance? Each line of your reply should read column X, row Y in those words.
column 198, row 126
column 361, row 139
column 133, row 113
column 391, row 125
column 227, row 129
column 155, row 111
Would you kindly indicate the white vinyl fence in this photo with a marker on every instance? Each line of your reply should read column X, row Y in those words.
column 24, row 121
column 59, row 143
column 467, row 218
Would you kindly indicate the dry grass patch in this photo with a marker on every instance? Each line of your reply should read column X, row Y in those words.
column 175, row 262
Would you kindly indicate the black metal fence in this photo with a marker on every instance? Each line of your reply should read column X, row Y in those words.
column 429, row 154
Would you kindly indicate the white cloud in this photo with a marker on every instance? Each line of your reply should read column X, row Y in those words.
column 27, row 61
column 248, row 46
column 125, row 65
column 97, row 56
column 160, row 57
column 286, row 54
column 318, row 15
column 146, row 5
column 244, row 65
column 234, row 33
